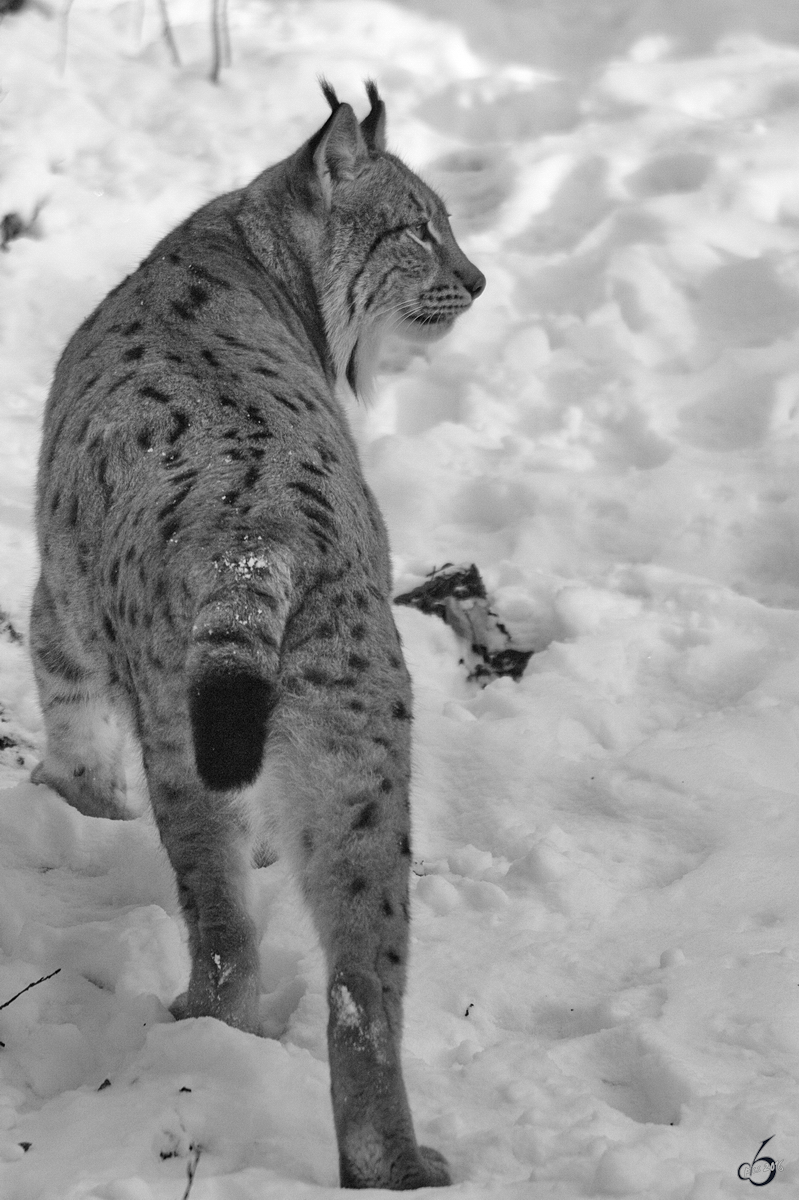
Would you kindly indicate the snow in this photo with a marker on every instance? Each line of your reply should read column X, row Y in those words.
column 603, row 989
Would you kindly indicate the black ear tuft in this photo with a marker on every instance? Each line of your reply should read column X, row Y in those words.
column 329, row 94
column 373, row 127
column 372, row 92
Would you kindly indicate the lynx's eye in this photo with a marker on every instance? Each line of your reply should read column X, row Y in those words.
column 423, row 234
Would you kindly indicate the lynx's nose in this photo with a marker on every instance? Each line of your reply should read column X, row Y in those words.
column 473, row 280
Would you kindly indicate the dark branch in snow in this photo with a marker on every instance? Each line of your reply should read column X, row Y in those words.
column 458, row 596
column 191, row 1168
column 220, row 38
column 36, row 983
column 169, row 37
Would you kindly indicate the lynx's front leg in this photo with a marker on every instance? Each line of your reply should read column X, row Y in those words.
column 85, row 737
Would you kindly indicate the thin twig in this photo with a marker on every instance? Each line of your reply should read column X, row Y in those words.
column 224, row 33
column 216, row 42
column 166, row 29
column 191, row 1169
column 36, row 983
column 220, row 38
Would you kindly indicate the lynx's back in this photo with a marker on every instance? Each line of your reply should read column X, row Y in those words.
column 215, row 577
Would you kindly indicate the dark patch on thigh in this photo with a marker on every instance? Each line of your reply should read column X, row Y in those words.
column 326, row 454
column 183, row 310
column 180, row 423
column 209, row 277
column 169, row 528
column 284, row 400
column 119, row 383
column 56, row 660
column 102, row 479
column 367, row 818
column 313, row 470
column 351, row 370
column 185, row 476
column 311, row 493
column 256, row 416
column 318, row 676
column 154, row 393
column 177, row 499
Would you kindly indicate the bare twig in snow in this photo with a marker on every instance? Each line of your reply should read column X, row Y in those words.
column 225, row 32
column 35, row 983
column 220, row 38
column 191, row 1168
column 166, row 29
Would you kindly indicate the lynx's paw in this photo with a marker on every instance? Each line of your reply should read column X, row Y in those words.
column 415, row 1167
column 436, row 1166
column 222, row 986
column 89, row 791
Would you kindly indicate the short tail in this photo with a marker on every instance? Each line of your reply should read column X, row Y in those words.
column 232, row 669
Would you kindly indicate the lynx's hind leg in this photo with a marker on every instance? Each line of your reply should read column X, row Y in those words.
column 209, row 845
column 85, row 723
column 209, row 838
column 344, row 766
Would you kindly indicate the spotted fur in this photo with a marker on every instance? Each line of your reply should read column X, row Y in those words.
column 215, row 579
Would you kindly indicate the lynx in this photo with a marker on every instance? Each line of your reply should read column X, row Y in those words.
column 215, row 579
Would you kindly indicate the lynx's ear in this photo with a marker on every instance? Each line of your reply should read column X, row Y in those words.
column 373, row 127
column 339, row 148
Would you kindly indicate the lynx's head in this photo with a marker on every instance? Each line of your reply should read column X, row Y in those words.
column 389, row 260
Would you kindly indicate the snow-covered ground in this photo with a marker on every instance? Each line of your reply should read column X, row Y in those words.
column 604, row 992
